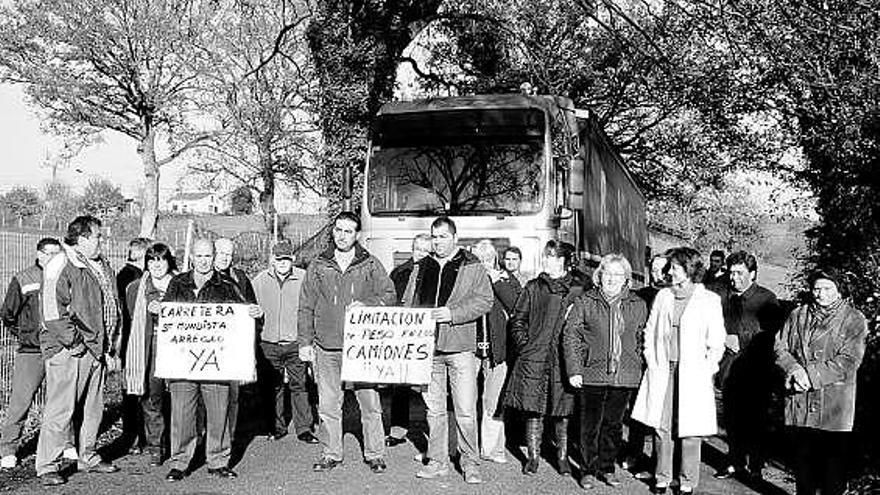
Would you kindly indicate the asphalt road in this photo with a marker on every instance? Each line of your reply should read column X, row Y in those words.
column 284, row 467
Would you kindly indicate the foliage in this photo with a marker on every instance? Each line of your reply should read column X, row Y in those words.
column 22, row 201
column 242, row 201
column 132, row 66
column 265, row 80
column 102, row 198
column 59, row 203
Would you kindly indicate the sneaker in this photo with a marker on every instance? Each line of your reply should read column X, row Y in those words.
column 472, row 475
column 392, row 441
column 308, row 437
column 377, row 466
column 70, row 454
column 433, row 469
column 175, row 475
column 611, row 479
column 325, row 464
column 644, row 475
column 497, row 459
column 52, row 479
column 8, row 461
column 588, row 482
column 222, row 472
column 102, row 467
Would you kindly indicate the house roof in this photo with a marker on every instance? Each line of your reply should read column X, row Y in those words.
column 190, row 196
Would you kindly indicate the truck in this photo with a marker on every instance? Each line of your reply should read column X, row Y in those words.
column 516, row 169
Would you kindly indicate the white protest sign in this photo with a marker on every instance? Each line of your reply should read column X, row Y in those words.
column 205, row 341
column 388, row 345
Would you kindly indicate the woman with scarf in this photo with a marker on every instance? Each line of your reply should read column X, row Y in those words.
column 684, row 341
column 819, row 351
column 602, row 341
column 144, row 297
column 535, row 387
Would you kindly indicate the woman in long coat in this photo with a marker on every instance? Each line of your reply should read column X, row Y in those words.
column 819, row 350
column 144, row 296
column 684, row 341
column 535, row 387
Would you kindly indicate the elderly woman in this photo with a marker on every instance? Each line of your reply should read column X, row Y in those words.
column 819, row 350
column 684, row 341
column 491, row 354
column 602, row 342
column 144, row 297
column 535, row 386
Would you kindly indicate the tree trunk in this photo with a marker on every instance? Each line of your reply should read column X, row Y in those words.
column 150, row 212
column 267, row 195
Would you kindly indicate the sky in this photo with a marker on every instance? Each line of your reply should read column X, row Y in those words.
column 24, row 148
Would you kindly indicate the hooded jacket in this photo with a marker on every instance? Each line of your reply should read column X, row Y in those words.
column 327, row 290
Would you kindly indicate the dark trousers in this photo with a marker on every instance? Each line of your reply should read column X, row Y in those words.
column 27, row 375
column 601, row 421
column 284, row 360
column 820, row 461
column 154, row 406
column 395, row 409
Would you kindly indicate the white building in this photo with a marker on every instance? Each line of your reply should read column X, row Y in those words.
column 197, row 202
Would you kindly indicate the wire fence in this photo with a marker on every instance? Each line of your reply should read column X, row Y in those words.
column 253, row 248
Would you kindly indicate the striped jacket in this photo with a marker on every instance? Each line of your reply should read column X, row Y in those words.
column 21, row 308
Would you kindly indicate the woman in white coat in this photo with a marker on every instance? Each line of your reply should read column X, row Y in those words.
column 684, row 341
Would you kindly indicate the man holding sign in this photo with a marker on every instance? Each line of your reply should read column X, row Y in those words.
column 344, row 276
column 201, row 285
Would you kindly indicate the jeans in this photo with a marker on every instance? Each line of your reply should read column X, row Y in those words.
column 27, row 375
column 601, row 414
column 184, row 431
column 459, row 371
column 285, row 359
column 328, row 370
column 689, row 475
column 71, row 382
column 492, row 438
column 153, row 406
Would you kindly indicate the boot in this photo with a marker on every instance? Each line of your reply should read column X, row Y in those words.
column 562, row 446
column 534, row 429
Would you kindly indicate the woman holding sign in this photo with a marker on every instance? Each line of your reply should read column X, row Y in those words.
column 536, row 385
column 144, row 296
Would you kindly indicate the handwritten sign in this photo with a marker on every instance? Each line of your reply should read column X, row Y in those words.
column 205, row 341
column 388, row 345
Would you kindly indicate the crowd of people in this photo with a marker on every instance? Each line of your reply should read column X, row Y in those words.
column 638, row 375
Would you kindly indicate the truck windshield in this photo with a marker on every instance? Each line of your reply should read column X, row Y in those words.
column 497, row 175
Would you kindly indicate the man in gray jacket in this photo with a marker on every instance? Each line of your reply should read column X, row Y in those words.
column 455, row 283
column 344, row 276
column 277, row 290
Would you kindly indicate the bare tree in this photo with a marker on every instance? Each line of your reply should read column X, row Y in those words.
column 131, row 66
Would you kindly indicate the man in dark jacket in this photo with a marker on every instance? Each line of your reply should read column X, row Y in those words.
column 454, row 282
column 344, row 276
column 78, row 340
column 202, row 284
column 132, row 425
column 397, row 414
column 21, row 315
column 752, row 317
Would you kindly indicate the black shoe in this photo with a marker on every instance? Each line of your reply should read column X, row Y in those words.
column 278, row 435
column 726, row 473
column 308, row 437
column 175, row 475
column 377, row 466
column 325, row 464
column 52, row 479
column 222, row 472
column 102, row 467
column 659, row 489
column 564, row 467
column 531, row 466
column 392, row 441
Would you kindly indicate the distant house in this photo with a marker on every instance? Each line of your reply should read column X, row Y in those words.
column 197, row 202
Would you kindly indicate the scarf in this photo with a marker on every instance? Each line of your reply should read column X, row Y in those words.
column 615, row 330
column 136, row 356
column 820, row 316
column 110, row 312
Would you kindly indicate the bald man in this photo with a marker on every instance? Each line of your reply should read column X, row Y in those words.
column 202, row 284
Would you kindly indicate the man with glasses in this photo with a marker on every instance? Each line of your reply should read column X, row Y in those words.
column 21, row 315
column 81, row 318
